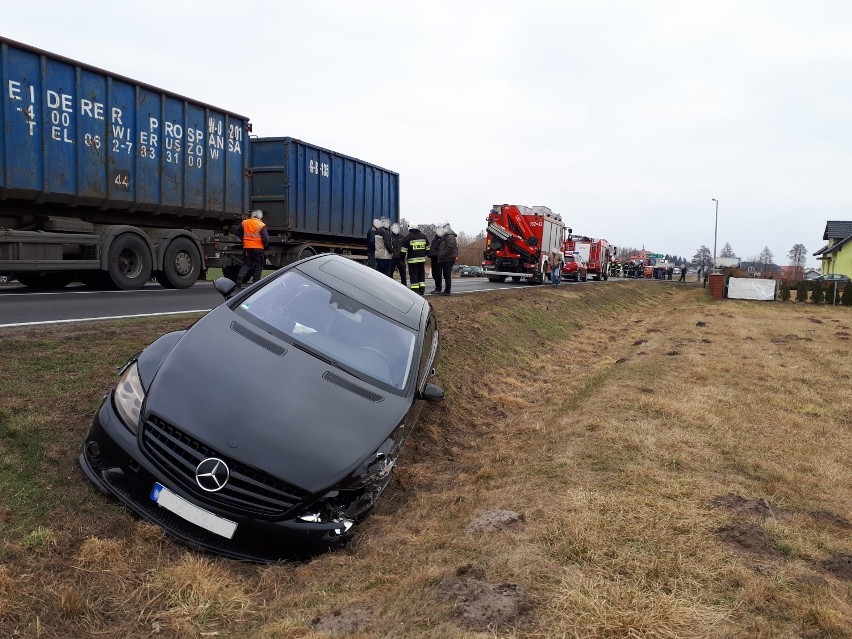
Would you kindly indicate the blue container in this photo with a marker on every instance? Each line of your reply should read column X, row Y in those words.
column 76, row 135
column 315, row 193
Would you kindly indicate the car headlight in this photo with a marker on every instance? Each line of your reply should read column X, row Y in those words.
column 128, row 398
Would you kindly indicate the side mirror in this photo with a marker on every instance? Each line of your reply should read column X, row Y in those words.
column 431, row 393
column 225, row 286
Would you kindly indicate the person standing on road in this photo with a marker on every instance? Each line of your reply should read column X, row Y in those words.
column 447, row 254
column 434, row 249
column 415, row 246
column 670, row 271
column 555, row 261
column 682, row 273
column 371, row 243
column 252, row 231
column 398, row 261
column 384, row 248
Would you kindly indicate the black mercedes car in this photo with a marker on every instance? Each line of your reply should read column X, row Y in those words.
column 273, row 423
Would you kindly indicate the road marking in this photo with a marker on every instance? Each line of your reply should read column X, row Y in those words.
column 94, row 319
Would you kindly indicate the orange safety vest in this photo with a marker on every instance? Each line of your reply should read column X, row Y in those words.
column 251, row 233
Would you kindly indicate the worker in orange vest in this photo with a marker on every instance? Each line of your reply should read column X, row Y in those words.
column 255, row 239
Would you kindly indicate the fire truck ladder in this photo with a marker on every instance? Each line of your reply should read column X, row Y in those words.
column 511, row 240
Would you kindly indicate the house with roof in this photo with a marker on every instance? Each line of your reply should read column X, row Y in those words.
column 836, row 256
column 761, row 269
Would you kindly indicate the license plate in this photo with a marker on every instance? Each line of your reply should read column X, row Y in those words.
column 192, row 513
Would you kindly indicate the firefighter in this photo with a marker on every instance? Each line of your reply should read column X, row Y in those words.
column 415, row 246
column 398, row 260
column 252, row 231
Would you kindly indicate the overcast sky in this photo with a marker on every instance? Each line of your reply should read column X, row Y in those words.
column 624, row 117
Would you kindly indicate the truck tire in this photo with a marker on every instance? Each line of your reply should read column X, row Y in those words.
column 516, row 278
column 181, row 264
column 55, row 279
column 129, row 262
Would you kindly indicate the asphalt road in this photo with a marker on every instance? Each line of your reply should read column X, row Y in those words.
column 23, row 306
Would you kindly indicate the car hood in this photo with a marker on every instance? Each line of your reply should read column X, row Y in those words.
column 224, row 385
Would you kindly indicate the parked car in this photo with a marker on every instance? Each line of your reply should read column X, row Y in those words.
column 574, row 268
column 276, row 419
column 833, row 277
column 472, row 271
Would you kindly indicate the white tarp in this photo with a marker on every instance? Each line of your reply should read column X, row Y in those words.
column 747, row 288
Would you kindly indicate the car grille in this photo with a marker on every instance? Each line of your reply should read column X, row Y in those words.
column 248, row 489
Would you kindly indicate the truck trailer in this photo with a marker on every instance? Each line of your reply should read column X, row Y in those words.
column 518, row 241
column 110, row 181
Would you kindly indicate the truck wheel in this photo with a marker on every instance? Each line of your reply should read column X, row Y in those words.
column 516, row 278
column 181, row 264
column 129, row 262
column 58, row 279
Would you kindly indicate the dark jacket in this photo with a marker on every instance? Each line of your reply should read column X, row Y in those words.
column 371, row 240
column 396, row 242
column 449, row 250
column 435, row 248
column 415, row 246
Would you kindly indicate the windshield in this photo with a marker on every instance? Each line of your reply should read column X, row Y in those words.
column 335, row 327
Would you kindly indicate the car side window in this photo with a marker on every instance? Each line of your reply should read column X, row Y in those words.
column 427, row 355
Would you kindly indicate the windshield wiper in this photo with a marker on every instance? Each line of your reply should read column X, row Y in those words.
column 316, row 354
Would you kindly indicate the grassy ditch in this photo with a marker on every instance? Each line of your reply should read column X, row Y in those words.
column 681, row 467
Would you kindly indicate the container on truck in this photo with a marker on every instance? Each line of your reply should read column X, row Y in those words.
column 314, row 201
column 518, row 241
column 101, row 176
column 110, row 181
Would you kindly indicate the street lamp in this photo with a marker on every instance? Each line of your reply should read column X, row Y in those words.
column 715, row 233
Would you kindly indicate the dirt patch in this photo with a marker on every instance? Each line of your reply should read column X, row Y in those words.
column 342, row 621
column 673, row 353
column 831, row 518
column 815, row 320
column 621, row 360
column 750, row 538
column 640, row 341
column 480, row 605
column 655, row 330
column 842, row 334
column 748, row 507
column 495, row 521
column 840, row 566
column 701, row 324
column 706, row 341
column 645, row 389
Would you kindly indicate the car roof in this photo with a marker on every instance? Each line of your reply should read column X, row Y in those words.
column 367, row 286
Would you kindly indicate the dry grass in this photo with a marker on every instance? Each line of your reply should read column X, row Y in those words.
column 676, row 481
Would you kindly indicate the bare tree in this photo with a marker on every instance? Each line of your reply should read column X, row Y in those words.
column 727, row 251
column 765, row 259
column 798, row 256
column 703, row 259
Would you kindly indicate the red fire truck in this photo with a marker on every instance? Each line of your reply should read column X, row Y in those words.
column 518, row 241
column 596, row 253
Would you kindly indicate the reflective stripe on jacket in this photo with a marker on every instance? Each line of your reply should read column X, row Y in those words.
column 252, row 229
column 415, row 247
